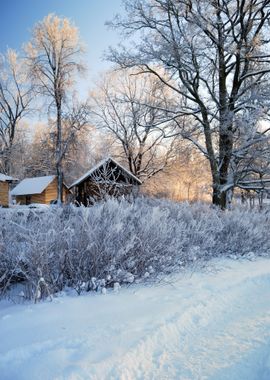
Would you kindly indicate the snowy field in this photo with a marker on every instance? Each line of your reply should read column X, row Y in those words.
column 213, row 324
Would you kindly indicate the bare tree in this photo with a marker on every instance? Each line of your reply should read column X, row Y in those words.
column 40, row 156
column 15, row 98
column 127, row 106
column 54, row 58
column 216, row 58
column 75, row 120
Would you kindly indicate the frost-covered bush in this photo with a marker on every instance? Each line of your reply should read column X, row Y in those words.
column 118, row 242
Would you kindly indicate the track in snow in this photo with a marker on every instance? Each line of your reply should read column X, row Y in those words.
column 213, row 325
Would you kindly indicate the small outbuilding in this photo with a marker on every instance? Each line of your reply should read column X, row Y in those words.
column 107, row 178
column 41, row 190
column 5, row 181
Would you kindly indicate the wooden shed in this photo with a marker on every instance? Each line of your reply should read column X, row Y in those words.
column 108, row 177
column 4, row 189
column 38, row 190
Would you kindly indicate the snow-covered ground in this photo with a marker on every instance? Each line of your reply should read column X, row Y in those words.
column 213, row 324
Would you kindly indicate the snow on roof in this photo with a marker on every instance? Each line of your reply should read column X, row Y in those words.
column 100, row 164
column 29, row 186
column 6, row 178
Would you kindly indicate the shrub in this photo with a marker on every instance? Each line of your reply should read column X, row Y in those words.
column 119, row 242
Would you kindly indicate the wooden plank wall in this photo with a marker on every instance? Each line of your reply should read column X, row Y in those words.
column 4, row 189
column 38, row 198
column 35, row 198
column 48, row 195
column 51, row 192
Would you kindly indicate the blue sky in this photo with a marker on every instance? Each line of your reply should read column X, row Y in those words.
column 17, row 17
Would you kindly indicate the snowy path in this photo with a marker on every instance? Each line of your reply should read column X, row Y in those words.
column 206, row 326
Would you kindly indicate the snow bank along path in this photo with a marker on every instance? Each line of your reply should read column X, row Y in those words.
column 208, row 325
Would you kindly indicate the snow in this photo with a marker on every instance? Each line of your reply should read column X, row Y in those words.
column 30, row 186
column 211, row 324
column 99, row 165
column 6, row 178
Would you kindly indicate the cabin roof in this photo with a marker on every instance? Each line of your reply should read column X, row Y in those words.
column 6, row 178
column 99, row 165
column 29, row 186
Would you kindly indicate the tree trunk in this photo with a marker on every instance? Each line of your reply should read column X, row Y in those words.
column 59, row 183
column 219, row 198
column 225, row 124
column 215, row 196
column 7, row 162
column 59, row 171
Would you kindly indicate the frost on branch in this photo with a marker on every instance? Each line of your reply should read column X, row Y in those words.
column 118, row 242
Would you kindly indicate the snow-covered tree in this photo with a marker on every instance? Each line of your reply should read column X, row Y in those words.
column 40, row 155
column 54, row 58
column 15, row 98
column 215, row 56
column 130, row 108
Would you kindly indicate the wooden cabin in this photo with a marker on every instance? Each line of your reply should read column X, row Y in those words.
column 4, row 189
column 107, row 178
column 41, row 190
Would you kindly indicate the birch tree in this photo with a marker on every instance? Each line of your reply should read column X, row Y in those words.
column 54, row 59
column 216, row 56
column 15, row 97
